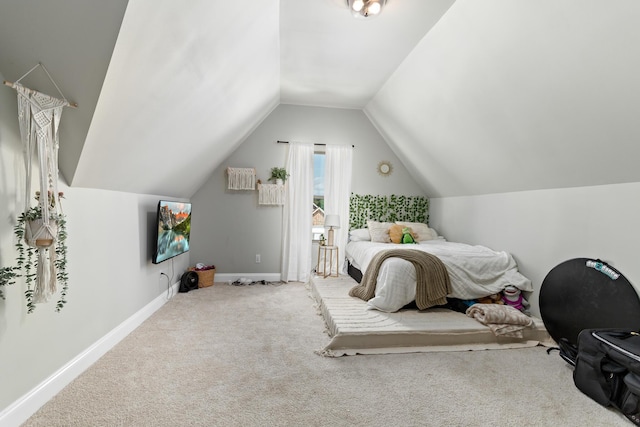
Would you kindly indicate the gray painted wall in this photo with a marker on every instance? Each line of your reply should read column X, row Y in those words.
column 111, row 275
column 546, row 227
column 229, row 227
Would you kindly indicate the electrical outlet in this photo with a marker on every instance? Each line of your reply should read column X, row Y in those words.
column 257, row 258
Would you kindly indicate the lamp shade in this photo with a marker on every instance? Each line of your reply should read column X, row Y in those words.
column 366, row 8
column 332, row 221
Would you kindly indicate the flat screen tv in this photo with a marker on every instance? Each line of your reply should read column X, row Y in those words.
column 173, row 230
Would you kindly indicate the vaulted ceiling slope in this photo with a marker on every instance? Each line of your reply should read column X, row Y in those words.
column 187, row 82
column 505, row 96
column 474, row 97
column 74, row 39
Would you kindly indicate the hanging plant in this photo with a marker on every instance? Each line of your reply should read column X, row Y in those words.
column 42, row 253
column 41, row 230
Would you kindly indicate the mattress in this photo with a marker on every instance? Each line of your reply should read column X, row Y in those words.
column 353, row 328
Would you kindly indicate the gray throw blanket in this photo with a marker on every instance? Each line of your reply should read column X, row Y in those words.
column 433, row 283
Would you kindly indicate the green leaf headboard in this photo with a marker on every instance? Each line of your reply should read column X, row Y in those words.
column 387, row 209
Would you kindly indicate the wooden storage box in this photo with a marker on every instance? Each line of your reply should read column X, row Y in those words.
column 205, row 277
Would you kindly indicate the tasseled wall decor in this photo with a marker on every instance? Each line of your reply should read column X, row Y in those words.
column 42, row 226
column 241, row 178
column 271, row 194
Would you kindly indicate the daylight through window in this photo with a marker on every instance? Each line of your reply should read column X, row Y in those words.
column 318, row 195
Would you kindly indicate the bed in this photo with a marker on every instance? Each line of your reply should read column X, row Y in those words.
column 380, row 325
column 475, row 271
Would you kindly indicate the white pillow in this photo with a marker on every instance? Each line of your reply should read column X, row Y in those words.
column 359, row 235
column 422, row 230
column 434, row 233
column 379, row 231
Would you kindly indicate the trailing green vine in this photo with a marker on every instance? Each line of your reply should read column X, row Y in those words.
column 387, row 209
column 61, row 261
column 7, row 277
column 27, row 259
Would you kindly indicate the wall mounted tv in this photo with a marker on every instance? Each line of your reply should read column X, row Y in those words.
column 173, row 230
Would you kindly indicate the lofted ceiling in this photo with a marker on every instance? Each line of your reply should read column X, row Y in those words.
column 473, row 97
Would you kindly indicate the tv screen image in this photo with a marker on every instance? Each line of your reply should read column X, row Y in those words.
column 173, row 230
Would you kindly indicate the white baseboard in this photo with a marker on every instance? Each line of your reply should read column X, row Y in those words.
column 232, row 277
column 20, row 410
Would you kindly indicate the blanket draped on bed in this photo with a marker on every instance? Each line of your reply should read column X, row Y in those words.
column 433, row 283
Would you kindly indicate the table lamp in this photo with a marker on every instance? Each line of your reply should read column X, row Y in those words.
column 331, row 221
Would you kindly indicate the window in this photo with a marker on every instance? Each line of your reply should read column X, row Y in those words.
column 318, row 195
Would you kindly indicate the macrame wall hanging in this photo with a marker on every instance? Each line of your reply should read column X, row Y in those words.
column 39, row 118
column 271, row 194
column 241, row 178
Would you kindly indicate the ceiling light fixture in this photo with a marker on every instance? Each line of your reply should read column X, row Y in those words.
column 366, row 8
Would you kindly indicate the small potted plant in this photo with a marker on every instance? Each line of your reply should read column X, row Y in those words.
column 279, row 175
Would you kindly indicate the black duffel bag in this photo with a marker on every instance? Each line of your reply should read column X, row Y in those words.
column 608, row 369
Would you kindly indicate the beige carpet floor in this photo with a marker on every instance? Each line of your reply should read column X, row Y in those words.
column 245, row 356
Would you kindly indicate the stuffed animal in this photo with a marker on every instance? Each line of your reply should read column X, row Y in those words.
column 513, row 296
column 491, row 299
column 407, row 236
column 397, row 232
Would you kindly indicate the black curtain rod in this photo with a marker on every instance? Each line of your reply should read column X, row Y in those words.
column 286, row 142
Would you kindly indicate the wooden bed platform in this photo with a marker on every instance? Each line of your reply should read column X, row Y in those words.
column 355, row 330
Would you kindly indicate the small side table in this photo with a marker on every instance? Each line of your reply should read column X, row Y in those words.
column 327, row 253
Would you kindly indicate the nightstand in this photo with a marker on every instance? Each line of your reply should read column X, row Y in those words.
column 326, row 259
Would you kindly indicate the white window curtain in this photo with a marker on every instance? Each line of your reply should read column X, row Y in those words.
column 337, row 191
column 296, row 220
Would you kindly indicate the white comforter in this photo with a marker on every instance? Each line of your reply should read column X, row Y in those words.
column 475, row 271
